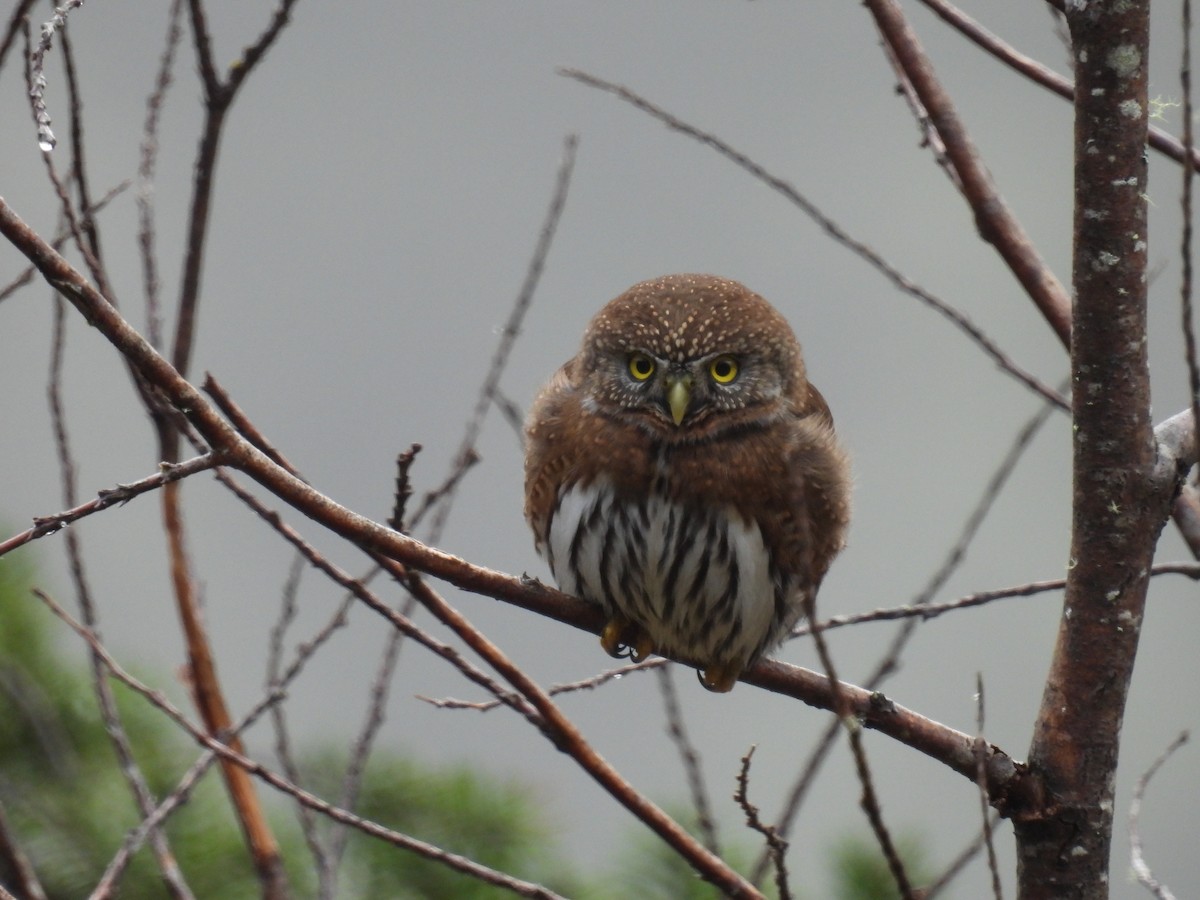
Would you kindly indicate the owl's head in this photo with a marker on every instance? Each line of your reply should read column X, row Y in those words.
column 690, row 356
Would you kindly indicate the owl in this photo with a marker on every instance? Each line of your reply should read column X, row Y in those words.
column 682, row 474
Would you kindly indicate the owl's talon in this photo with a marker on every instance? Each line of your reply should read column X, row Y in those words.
column 625, row 640
column 719, row 679
column 610, row 637
column 641, row 647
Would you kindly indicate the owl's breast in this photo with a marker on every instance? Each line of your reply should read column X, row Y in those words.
column 700, row 580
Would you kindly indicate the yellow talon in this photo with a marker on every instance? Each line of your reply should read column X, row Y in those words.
column 610, row 637
column 622, row 638
column 719, row 679
column 641, row 647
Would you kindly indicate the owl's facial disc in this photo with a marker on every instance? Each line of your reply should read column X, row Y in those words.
column 679, row 395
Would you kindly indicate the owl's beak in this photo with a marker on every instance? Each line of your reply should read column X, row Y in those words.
column 679, row 395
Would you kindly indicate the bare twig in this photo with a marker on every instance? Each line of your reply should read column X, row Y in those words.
column 466, row 453
column 118, row 496
column 587, row 684
column 14, row 860
column 776, row 845
column 690, row 760
column 16, row 20
column 917, row 610
column 870, row 799
column 57, row 22
column 283, row 748
column 242, row 423
column 1137, row 860
column 1164, row 142
column 835, row 231
column 981, row 779
column 147, row 162
column 404, row 490
column 959, row 863
column 995, row 221
column 796, row 795
column 360, row 753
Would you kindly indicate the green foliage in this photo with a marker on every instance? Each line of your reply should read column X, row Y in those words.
column 861, row 872
column 457, row 809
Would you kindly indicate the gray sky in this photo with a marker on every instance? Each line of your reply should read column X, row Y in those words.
column 383, row 178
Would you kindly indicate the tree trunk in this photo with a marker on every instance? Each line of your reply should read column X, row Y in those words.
column 1064, row 842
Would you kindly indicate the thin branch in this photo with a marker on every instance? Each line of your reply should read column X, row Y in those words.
column 16, row 22
column 78, row 146
column 1165, row 143
column 870, row 799
column 959, row 863
column 984, row 800
column 587, row 684
column 283, row 749
column 835, row 231
column 776, row 845
column 690, row 760
column 118, row 496
column 466, row 453
column 1137, row 861
column 798, row 792
column 917, row 610
column 45, row 136
column 147, row 163
column 995, row 221
column 25, row 879
column 242, row 423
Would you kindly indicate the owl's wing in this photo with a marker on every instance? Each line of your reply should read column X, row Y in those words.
column 814, row 404
column 548, row 454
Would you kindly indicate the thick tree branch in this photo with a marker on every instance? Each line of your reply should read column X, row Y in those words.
column 1119, row 504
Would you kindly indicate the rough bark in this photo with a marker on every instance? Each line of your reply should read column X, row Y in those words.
column 1119, row 506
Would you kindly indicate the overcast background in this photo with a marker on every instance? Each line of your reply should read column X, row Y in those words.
column 382, row 181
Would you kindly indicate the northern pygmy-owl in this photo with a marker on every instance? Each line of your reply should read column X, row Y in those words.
column 683, row 474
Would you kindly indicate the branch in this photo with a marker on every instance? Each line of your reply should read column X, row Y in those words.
column 951, row 747
column 1137, row 861
column 1166, row 144
column 996, row 223
column 776, row 845
column 835, row 231
column 118, row 496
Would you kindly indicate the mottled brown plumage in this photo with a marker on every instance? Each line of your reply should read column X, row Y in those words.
column 683, row 474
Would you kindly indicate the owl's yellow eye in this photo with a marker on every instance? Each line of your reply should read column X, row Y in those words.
column 641, row 366
column 723, row 369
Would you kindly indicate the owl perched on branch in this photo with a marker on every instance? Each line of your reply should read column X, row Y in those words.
column 683, row 474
